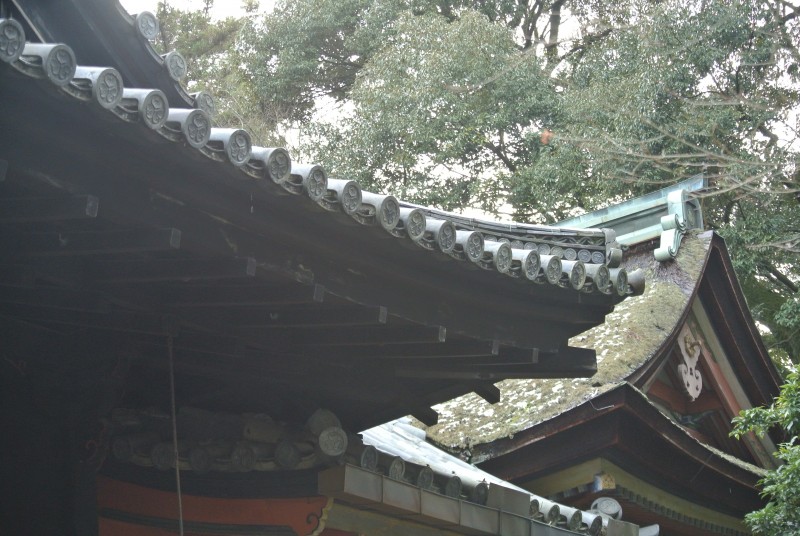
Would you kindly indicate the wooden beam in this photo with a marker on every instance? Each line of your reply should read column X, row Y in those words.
column 700, row 436
column 91, row 242
column 346, row 336
column 87, row 298
column 460, row 349
column 198, row 346
column 237, row 295
column 494, row 374
column 708, row 400
column 568, row 363
column 279, row 316
column 451, row 352
column 57, row 297
column 141, row 271
column 106, row 320
column 48, row 209
column 669, row 396
column 677, row 400
column 489, row 392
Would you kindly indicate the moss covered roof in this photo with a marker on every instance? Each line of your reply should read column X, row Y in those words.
column 632, row 335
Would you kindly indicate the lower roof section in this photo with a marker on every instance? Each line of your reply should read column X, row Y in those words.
column 351, row 500
column 641, row 502
column 622, row 426
column 367, row 490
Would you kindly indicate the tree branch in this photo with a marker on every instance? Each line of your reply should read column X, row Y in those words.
column 501, row 155
column 584, row 43
column 779, row 277
column 551, row 49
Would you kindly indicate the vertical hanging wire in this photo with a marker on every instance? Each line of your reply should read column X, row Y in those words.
column 175, row 433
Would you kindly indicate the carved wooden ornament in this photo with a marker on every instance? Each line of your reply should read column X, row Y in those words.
column 690, row 374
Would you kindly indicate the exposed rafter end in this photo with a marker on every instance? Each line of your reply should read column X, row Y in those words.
column 490, row 393
column 427, row 416
column 319, row 293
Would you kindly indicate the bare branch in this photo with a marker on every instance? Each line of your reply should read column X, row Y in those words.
column 780, row 277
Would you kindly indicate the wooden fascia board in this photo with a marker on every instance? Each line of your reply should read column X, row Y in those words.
column 731, row 402
column 722, row 295
column 702, row 479
column 668, row 396
column 675, row 435
column 730, row 387
column 645, row 374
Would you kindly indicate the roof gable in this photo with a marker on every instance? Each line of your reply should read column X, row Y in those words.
column 629, row 340
column 716, row 367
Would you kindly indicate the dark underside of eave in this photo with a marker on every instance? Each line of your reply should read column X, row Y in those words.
column 306, row 330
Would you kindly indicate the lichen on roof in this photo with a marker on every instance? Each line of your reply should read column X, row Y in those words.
column 631, row 335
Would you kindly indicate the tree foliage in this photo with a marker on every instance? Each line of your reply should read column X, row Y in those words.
column 781, row 487
column 540, row 109
column 216, row 52
column 543, row 108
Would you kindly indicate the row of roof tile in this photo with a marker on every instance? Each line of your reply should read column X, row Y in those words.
column 581, row 260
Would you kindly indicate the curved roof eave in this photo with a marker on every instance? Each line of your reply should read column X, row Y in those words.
column 601, row 422
column 508, row 298
column 633, row 337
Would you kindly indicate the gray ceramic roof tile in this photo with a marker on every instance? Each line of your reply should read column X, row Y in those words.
column 511, row 249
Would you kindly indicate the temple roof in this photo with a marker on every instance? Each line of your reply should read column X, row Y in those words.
column 653, row 468
column 134, row 228
column 401, row 438
column 630, row 337
column 581, row 440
